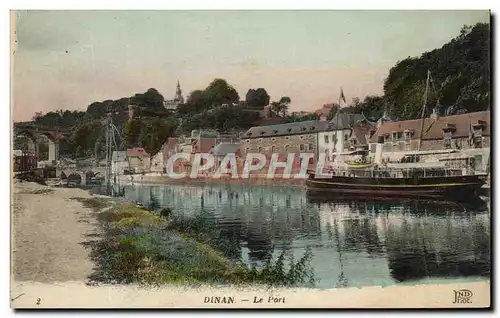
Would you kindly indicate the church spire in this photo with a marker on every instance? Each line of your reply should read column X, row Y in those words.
column 178, row 94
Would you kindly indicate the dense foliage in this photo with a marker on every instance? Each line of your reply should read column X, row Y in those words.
column 460, row 77
column 459, row 80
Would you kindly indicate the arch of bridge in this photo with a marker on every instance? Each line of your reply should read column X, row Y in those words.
column 54, row 135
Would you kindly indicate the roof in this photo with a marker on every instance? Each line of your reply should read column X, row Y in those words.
column 301, row 127
column 137, row 152
column 203, row 145
column 224, row 148
column 345, row 120
column 433, row 128
column 360, row 132
column 119, row 156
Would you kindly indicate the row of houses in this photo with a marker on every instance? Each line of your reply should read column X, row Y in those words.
column 385, row 140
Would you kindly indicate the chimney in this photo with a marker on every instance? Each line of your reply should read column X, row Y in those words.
column 434, row 114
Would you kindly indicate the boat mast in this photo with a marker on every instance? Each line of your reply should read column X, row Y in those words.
column 423, row 110
column 337, row 126
column 108, row 151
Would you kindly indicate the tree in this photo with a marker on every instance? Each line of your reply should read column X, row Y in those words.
column 333, row 111
column 372, row 107
column 294, row 118
column 281, row 107
column 220, row 92
column 131, row 133
column 151, row 100
column 154, row 133
column 460, row 76
column 96, row 110
column 257, row 98
column 86, row 135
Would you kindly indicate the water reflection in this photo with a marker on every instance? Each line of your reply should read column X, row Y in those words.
column 354, row 241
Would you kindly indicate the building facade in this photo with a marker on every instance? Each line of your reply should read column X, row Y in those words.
column 224, row 149
column 468, row 134
column 158, row 162
column 345, row 133
column 296, row 138
column 119, row 162
column 199, row 141
column 139, row 160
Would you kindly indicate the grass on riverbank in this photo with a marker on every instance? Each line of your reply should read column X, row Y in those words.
column 95, row 204
column 144, row 247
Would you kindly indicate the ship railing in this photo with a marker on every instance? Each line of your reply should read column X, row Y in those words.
column 386, row 172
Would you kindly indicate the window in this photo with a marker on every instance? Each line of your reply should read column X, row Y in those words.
column 345, row 137
column 273, row 139
column 326, row 139
column 249, row 134
column 275, row 131
column 286, row 148
column 301, row 147
column 260, row 149
column 301, row 137
column 262, row 132
column 447, row 139
column 478, row 142
column 260, row 139
column 311, row 161
column 289, row 130
column 394, row 135
column 286, row 138
column 248, row 140
column 311, row 146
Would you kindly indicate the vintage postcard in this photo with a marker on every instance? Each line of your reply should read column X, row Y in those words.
column 250, row 159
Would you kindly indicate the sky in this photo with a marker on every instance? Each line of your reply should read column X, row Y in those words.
column 69, row 59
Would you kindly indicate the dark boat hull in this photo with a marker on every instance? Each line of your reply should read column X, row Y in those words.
column 408, row 187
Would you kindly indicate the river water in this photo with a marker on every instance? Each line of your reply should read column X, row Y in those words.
column 354, row 242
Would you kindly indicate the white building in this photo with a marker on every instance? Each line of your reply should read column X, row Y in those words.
column 119, row 162
column 158, row 161
column 346, row 132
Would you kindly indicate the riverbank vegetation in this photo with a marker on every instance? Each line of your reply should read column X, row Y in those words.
column 154, row 248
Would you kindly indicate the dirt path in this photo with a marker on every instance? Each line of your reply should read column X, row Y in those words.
column 47, row 229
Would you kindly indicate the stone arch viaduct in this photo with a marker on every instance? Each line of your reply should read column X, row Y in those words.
column 32, row 133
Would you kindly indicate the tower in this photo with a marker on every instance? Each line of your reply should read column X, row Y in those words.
column 178, row 94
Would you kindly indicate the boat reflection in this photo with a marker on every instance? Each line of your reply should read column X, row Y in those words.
column 418, row 239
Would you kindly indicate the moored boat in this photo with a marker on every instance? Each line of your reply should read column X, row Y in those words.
column 415, row 181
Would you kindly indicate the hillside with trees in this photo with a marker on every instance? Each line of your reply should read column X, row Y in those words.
column 459, row 80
